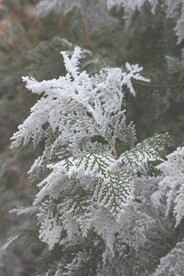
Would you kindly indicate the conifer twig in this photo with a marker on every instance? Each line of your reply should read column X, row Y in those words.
column 158, row 85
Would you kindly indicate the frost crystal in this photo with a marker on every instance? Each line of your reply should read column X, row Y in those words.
column 173, row 10
column 85, row 184
column 172, row 184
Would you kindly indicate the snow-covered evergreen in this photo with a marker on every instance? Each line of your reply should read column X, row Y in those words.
column 87, row 186
column 106, row 203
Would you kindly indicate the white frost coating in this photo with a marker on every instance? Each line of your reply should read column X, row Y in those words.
column 50, row 232
column 172, row 184
column 133, row 73
column 23, row 210
column 131, row 4
column 77, row 89
column 83, row 185
column 44, row 7
column 173, row 9
column 8, row 242
column 173, row 262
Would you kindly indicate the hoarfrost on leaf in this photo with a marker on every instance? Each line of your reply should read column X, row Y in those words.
column 172, row 9
column 173, row 262
column 172, row 184
column 85, row 185
column 44, row 7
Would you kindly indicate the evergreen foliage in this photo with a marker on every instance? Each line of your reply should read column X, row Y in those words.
column 107, row 194
column 171, row 186
column 173, row 9
column 172, row 264
column 87, row 185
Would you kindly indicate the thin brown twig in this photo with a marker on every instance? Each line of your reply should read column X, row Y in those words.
column 158, row 85
column 114, row 149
